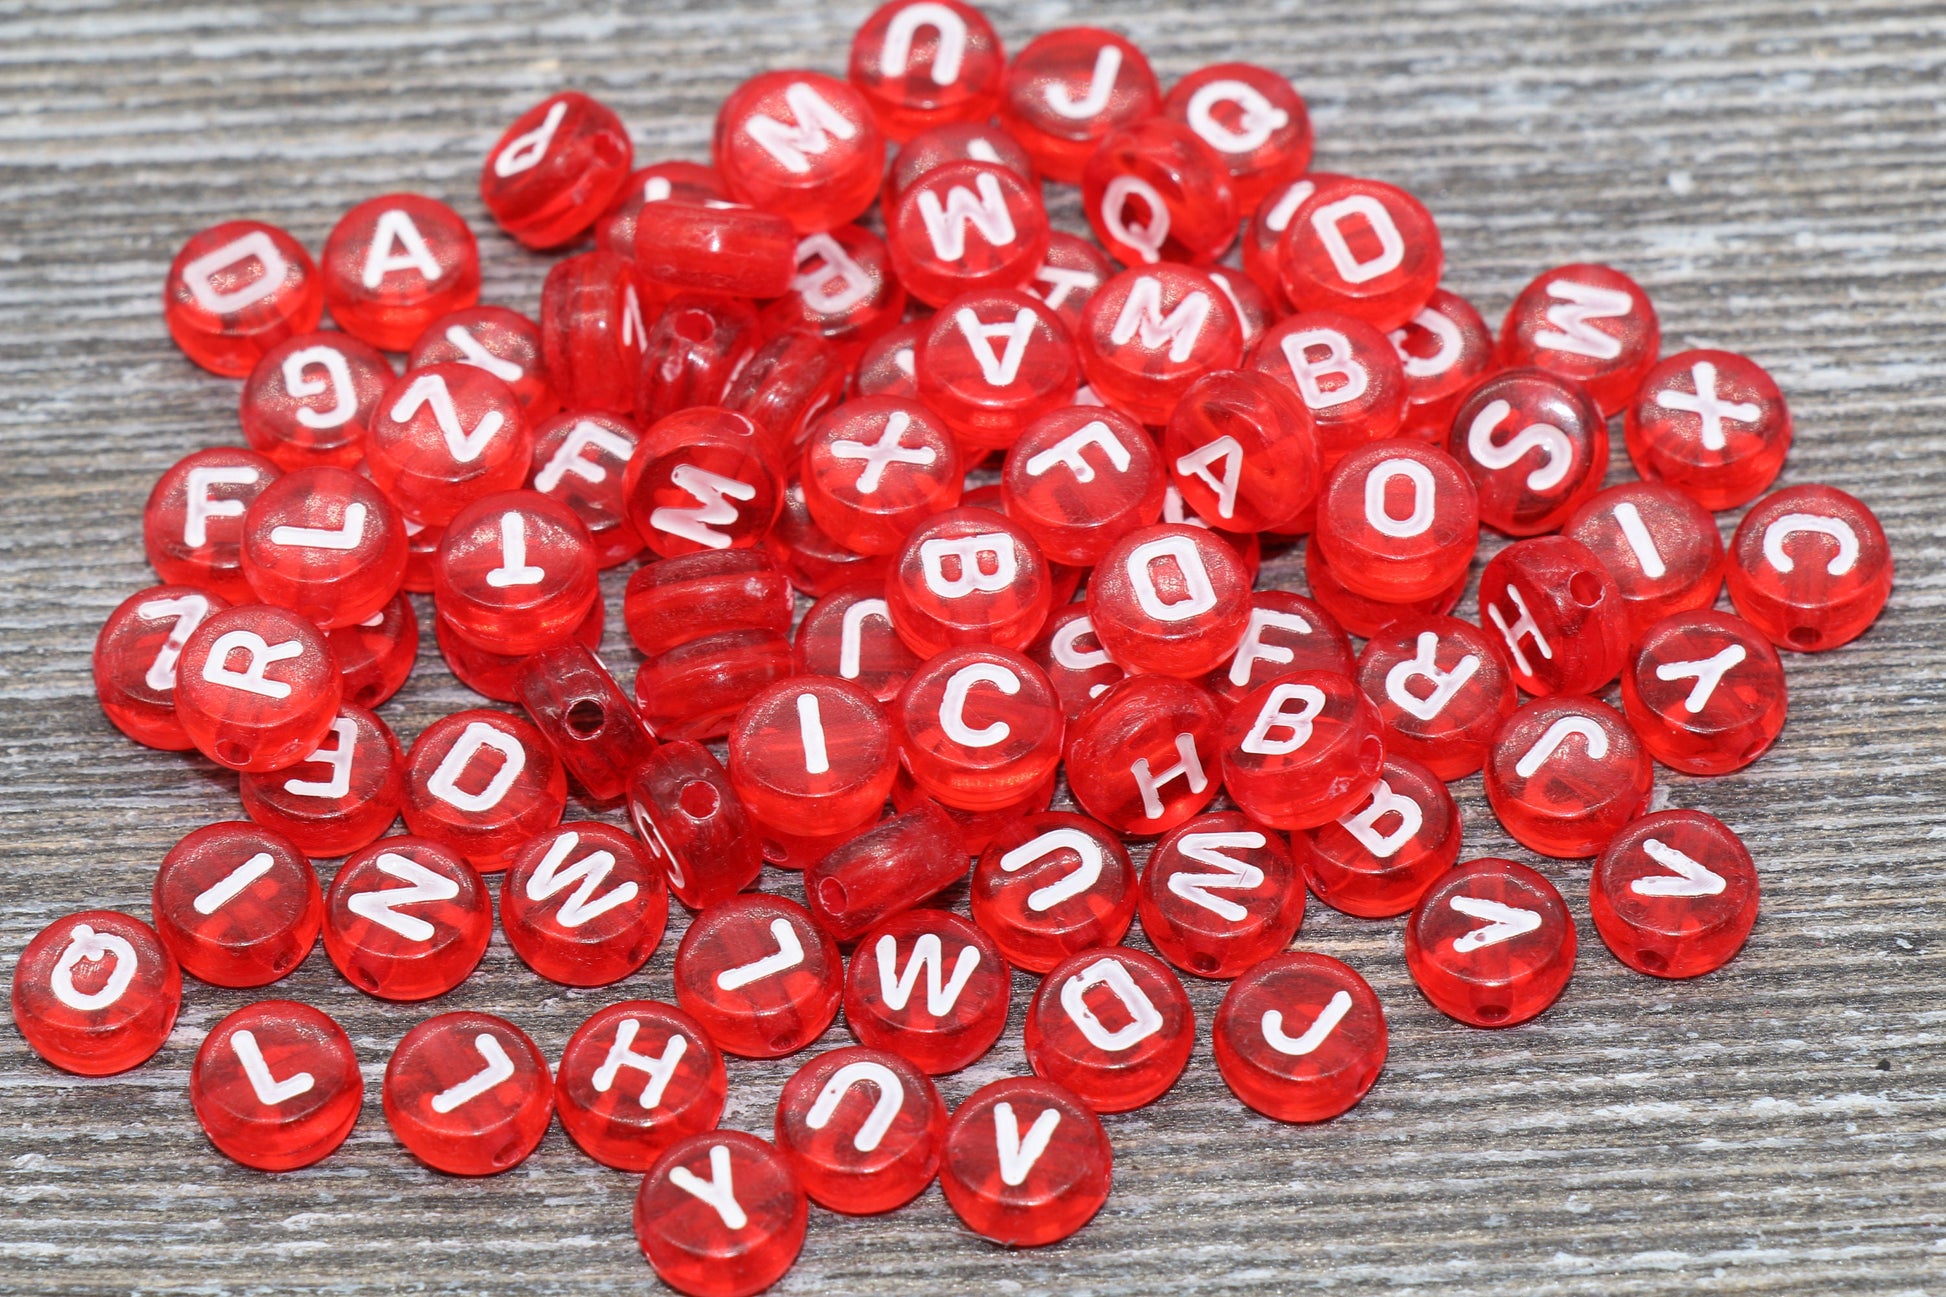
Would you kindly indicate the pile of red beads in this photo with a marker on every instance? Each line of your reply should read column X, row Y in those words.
column 937, row 426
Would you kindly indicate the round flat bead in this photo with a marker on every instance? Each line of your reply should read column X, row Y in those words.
column 979, row 727
column 1534, row 444
column 1566, row 774
column 1362, row 247
column 579, row 461
column 1153, row 191
column 1172, row 599
column 1051, row 885
column 394, row 264
column 1112, row 1025
column 993, row 361
column 1067, row 89
column 862, row 1128
column 968, row 576
column 237, row 904
column 1300, row 1037
column 1442, row 686
column 760, row 976
column 1078, row 479
column 1712, row 424
column 790, row 380
column 1009, row 1184
column 720, row 248
column 692, row 351
column 1445, row 348
column 702, row 479
column 942, row 146
column 1398, row 520
column 1071, row 654
column 136, row 657
column 848, row 634
column 801, row 144
column 676, row 180
column 877, row 467
column 923, row 65
column 1491, row 944
column 500, row 341
column 843, row 286
column 1242, row 450
column 556, row 169
column 326, row 543
column 1809, row 566
column 309, row 399
column 1661, row 547
column 1705, row 692
column 483, row 782
column 965, row 227
column 444, row 436
column 1150, row 332
column 1378, row 859
column 813, row 755
column 341, row 796
column 376, row 656
column 1251, row 118
column 497, row 675
column 96, row 993
column 406, row 919
column 256, row 687
column 1286, row 632
column 516, row 573
column 582, row 906
column 236, row 290
column 1220, row 894
column 1143, row 758
column 1588, row 323
column 1347, row 373
column 1369, row 617
column 192, row 525
column 721, row 1214
column 672, row 601
column 1302, row 750
column 930, row 987
column 1558, row 613
column 694, row 691
column 635, row 1078
column 276, row 1086
column 468, row 1094
column 1263, row 232
column 1674, row 895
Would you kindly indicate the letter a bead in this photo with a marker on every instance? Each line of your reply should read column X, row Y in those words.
column 276, row 1086
column 468, row 1094
column 721, row 1214
column 862, row 1128
column 635, row 1078
column 96, row 993
column 1674, row 895
column 1300, row 1037
column 1027, row 1163
column 1491, row 944
column 1112, row 1025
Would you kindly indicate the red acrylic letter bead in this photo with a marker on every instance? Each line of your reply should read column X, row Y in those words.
column 1535, row 446
column 993, row 361
column 721, row 1214
column 1378, row 859
column 891, row 867
column 1491, row 944
column 235, row 291
column 256, row 688
column 1300, row 1037
column 801, row 144
column 1149, row 333
column 192, row 525
column 309, row 400
column 1143, row 758
column 1588, row 323
column 1362, row 247
column 341, row 796
column 276, row 1086
column 862, row 1128
column 1052, row 885
column 1242, row 450
column 1566, row 774
column 760, row 975
column 694, row 825
column 979, row 727
column 96, row 993
column 1810, row 568
column 1704, row 692
column 444, row 436
column 1172, row 599
column 1080, row 478
column 1068, row 88
column 922, row 65
column 516, row 573
column 1441, row 688
column 556, row 169
column 483, row 783
column 1674, row 895
column 968, row 576
column 930, row 987
column 237, row 905
column 1558, row 613
column 1302, row 750
column 592, row 724
column 635, row 1078
column 1252, row 118
column 326, row 543
column 406, row 919
column 1112, row 1025
column 1220, row 894
column 581, row 906
column 1662, row 548
column 136, row 658
column 394, row 264
column 468, row 1094
column 1397, row 521
column 1711, row 424
column 1026, row 1162
column 877, row 467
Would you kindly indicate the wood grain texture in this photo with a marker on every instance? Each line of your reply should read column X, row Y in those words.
column 1770, row 170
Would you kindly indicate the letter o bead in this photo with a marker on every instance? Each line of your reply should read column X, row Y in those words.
column 483, row 783
column 96, row 993
column 1300, row 1037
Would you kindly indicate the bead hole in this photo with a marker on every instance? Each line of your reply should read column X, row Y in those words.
column 1492, row 1012
column 1653, row 960
column 1205, row 964
column 831, row 895
column 232, row 753
column 693, row 326
column 1585, row 589
column 698, row 800
column 586, row 718
column 774, row 852
column 1804, row 636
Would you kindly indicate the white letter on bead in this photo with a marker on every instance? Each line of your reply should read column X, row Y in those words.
column 475, row 738
column 263, row 656
column 1145, row 1019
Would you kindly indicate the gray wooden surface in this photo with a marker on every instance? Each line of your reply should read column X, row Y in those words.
column 1771, row 171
